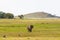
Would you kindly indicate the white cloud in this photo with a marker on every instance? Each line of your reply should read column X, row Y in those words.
column 26, row 6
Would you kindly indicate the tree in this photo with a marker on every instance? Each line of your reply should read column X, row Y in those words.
column 2, row 15
column 9, row 16
column 6, row 15
column 21, row 16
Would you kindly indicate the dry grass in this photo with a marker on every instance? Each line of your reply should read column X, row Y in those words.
column 42, row 27
column 31, row 38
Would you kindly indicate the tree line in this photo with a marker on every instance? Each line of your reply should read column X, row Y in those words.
column 9, row 15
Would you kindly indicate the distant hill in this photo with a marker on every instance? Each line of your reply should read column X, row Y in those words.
column 40, row 15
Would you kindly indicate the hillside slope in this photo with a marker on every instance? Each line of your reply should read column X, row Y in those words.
column 40, row 15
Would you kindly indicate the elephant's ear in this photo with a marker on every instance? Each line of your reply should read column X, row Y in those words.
column 31, row 26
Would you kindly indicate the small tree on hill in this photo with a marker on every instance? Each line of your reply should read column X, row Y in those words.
column 21, row 16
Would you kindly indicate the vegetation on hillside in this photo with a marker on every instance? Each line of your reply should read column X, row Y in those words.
column 4, row 15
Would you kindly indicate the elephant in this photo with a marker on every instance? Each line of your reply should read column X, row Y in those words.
column 29, row 28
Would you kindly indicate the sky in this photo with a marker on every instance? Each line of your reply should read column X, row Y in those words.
column 18, row 7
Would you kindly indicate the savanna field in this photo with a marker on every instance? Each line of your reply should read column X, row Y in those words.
column 16, row 29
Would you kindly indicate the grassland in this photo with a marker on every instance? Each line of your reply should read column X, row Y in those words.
column 42, row 28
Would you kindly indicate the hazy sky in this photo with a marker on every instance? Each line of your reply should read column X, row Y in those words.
column 28, row 6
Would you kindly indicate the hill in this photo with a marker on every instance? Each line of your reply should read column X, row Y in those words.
column 40, row 15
